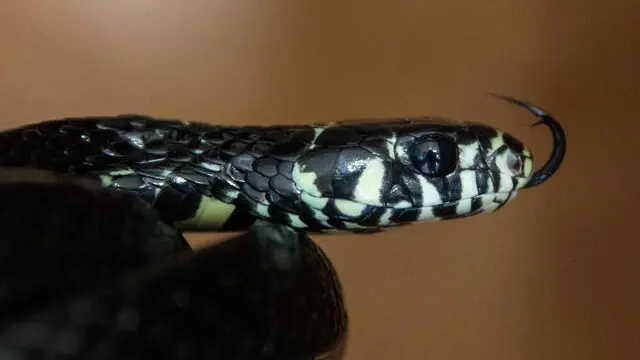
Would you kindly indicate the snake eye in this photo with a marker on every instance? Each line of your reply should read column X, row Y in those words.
column 434, row 155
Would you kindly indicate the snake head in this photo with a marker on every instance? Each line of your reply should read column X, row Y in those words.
column 380, row 173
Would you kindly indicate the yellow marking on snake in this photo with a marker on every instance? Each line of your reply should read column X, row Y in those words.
column 211, row 215
column 106, row 180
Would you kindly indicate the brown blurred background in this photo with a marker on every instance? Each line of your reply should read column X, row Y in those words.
column 554, row 275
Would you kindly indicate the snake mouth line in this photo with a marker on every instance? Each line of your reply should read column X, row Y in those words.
column 465, row 207
column 389, row 216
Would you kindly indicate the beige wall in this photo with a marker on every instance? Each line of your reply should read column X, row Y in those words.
column 554, row 275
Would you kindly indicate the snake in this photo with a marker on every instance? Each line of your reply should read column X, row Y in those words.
column 94, row 212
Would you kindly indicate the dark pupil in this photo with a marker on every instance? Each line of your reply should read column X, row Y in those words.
column 435, row 155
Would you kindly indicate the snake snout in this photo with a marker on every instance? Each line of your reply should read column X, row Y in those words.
column 559, row 141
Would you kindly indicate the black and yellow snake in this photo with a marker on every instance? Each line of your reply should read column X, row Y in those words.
column 95, row 266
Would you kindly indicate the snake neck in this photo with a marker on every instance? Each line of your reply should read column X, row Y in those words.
column 200, row 177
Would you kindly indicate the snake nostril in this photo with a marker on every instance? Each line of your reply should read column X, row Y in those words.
column 514, row 162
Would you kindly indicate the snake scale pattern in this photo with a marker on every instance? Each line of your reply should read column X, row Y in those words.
column 95, row 208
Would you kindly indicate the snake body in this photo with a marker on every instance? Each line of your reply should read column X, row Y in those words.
column 267, row 294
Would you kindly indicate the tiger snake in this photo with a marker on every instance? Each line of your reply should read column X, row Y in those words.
column 93, row 211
